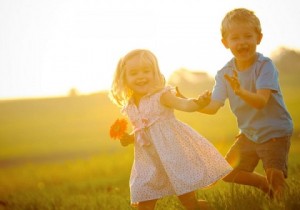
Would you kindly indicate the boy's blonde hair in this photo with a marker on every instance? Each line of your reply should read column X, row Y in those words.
column 240, row 15
column 120, row 93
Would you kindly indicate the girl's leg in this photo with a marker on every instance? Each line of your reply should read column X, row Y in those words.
column 147, row 205
column 190, row 202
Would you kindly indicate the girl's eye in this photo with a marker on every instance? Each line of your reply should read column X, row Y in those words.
column 146, row 70
column 132, row 73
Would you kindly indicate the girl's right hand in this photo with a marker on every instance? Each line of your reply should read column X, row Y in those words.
column 178, row 93
column 127, row 139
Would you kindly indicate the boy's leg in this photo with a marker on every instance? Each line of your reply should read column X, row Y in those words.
column 147, row 205
column 274, row 155
column 243, row 158
column 248, row 178
column 190, row 202
column 277, row 182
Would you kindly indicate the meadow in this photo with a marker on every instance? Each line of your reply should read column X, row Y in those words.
column 56, row 154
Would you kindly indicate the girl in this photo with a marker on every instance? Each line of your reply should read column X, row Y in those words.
column 169, row 157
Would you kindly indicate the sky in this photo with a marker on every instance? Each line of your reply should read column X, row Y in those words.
column 48, row 47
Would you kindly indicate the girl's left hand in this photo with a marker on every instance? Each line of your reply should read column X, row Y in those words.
column 127, row 139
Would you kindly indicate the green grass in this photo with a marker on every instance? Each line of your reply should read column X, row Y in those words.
column 56, row 154
column 101, row 182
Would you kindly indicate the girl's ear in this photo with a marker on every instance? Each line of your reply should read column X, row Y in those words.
column 259, row 38
column 225, row 44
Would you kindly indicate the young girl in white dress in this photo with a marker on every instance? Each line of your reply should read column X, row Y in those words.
column 170, row 158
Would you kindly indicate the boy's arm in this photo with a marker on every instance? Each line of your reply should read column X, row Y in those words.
column 257, row 100
column 211, row 108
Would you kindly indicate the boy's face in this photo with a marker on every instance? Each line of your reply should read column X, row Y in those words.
column 242, row 40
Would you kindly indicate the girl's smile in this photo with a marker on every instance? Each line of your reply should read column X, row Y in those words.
column 139, row 76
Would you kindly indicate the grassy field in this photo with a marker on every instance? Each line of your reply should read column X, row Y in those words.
column 56, row 154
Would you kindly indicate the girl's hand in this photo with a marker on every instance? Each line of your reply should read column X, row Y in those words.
column 234, row 82
column 178, row 93
column 127, row 139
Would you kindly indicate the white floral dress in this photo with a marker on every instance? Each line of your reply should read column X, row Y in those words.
column 169, row 156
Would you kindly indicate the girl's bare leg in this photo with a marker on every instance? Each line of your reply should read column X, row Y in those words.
column 147, row 205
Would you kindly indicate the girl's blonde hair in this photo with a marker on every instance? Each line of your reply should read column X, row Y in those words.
column 240, row 15
column 120, row 93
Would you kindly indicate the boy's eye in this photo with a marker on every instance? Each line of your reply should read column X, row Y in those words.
column 234, row 36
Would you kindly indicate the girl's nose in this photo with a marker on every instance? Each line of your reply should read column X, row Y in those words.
column 140, row 76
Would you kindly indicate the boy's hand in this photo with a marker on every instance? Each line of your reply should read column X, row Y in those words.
column 126, row 139
column 203, row 99
column 206, row 97
column 234, row 82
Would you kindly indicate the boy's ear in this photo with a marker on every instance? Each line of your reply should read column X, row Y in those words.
column 259, row 38
column 224, row 43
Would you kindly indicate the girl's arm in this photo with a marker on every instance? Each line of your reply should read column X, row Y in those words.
column 183, row 104
column 212, row 106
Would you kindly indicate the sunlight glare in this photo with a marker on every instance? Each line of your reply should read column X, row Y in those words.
column 53, row 46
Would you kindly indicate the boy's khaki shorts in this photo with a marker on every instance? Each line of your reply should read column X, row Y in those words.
column 244, row 154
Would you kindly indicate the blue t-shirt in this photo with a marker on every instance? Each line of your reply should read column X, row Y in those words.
column 259, row 125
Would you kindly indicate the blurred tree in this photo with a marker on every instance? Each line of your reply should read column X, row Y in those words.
column 286, row 60
column 73, row 92
column 191, row 83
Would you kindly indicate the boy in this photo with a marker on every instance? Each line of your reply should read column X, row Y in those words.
column 250, row 82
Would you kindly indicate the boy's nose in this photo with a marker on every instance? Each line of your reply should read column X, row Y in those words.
column 243, row 41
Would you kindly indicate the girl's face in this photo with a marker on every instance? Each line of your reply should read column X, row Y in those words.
column 139, row 76
column 242, row 40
